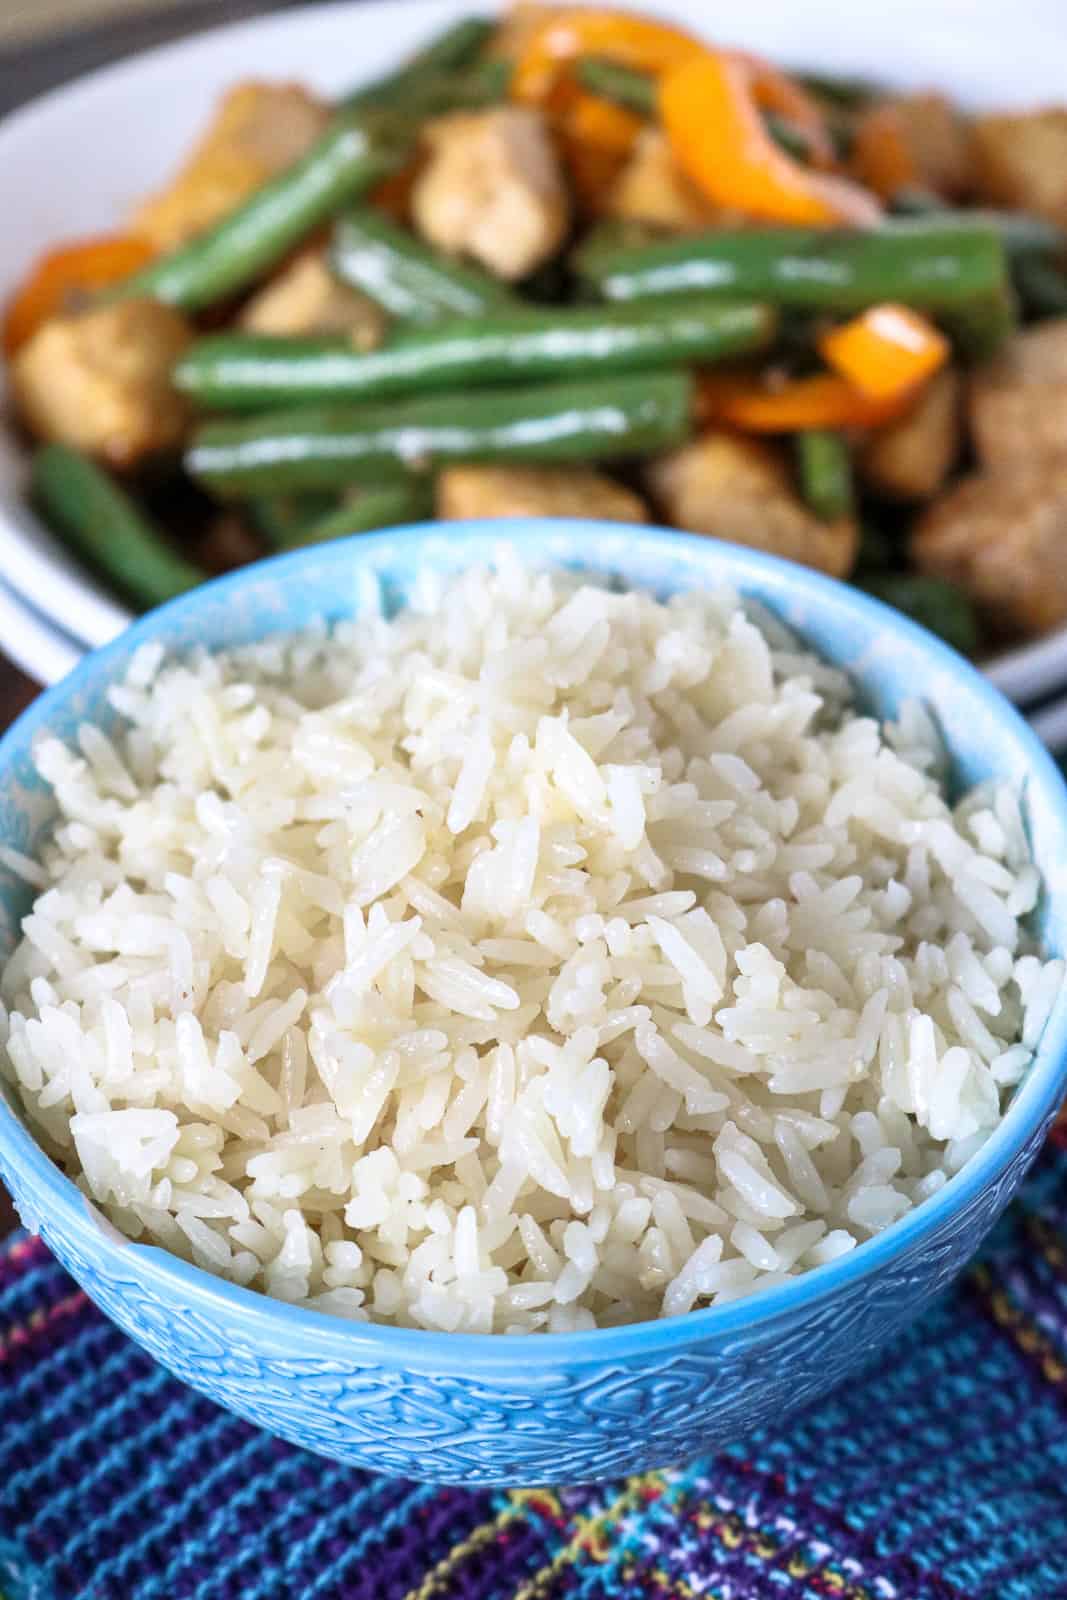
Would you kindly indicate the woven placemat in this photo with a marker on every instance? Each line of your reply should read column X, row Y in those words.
column 942, row 1476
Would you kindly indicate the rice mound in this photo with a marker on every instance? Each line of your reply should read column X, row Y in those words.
column 542, row 958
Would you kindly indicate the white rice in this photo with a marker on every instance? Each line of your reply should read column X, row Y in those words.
column 543, row 958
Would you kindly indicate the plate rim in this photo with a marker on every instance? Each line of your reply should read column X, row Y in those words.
column 33, row 642
column 35, row 566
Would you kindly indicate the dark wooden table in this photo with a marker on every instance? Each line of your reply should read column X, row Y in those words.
column 16, row 692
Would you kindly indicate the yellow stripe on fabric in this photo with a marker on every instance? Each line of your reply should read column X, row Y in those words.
column 537, row 1500
column 733, row 1533
column 481, row 1535
column 587, row 1538
column 1008, row 1314
column 677, row 1588
column 1052, row 1244
column 520, row 1501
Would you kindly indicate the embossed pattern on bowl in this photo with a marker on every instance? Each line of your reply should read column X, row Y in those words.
column 566, row 1407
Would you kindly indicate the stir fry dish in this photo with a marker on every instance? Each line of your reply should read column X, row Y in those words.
column 577, row 262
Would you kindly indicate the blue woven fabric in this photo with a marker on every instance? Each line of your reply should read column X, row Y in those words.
column 943, row 1476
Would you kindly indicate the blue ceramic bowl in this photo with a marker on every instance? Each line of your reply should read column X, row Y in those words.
column 480, row 1409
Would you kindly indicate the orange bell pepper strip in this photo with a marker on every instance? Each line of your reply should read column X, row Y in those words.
column 602, row 124
column 596, row 137
column 887, row 351
column 710, row 107
column 65, row 279
column 824, row 400
column 621, row 35
column 775, row 91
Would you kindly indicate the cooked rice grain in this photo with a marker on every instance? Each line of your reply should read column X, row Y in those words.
column 541, row 958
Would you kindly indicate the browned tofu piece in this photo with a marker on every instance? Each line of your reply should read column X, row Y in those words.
column 464, row 492
column 741, row 489
column 1002, row 537
column 911, row 458
column 100, row 380
column 917, row 141
column 939, row 142
column 305, row 297
column 652, row 189
column 258, row 130
column 1017, row 403
column 1034, row 355
column 492, row 188
column 1021, row 160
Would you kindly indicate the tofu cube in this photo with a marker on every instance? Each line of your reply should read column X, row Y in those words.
column 487, row 491
column 258, row 130
column 100, row 381
column 305, row 298
column 492, row 189
column 741, row 490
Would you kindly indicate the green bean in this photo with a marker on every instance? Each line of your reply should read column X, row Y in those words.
column 636, row 91
column 349, row 158
column 104, row 526
column 938, row 606
column 387, row 507
column 914, row 201
column 459, row 45
column 407, row 278
column 1043, row 287
column 1022, row 234
column 625, row 85
column 282, row 519
column 931, row 264
column 252, row 372
column 824, row 467
column 980, row 328
column 848, row 94
column 876, row 552
column 484, row 84
column 977, row 329
column 787, row 136
column 331, row 447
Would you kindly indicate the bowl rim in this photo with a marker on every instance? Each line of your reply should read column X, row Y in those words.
column 57, row 1199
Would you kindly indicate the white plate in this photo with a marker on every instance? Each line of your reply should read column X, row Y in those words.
column 33, row 643
column 76, row 160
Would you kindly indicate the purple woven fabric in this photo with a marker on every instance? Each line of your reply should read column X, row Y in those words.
column 942, row 1477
